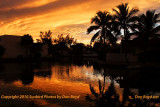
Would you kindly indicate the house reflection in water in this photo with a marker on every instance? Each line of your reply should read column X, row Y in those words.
column 15, row 72
column 14, row 48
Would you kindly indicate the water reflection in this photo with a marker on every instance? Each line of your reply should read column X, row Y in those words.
column 43, row 71
column 97, row 84
column 109, row 97
column 14, row 72
column 105, row 98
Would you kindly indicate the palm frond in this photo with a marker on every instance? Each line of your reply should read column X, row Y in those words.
column 91, row 28
column 155, row 30
column 93, row 91
column 156, row 17
column 142, row 17
column 100, row 87
column 95, row 36
column 157, row 36
column 117, row 13
column 157, row 21
column 95, row 20
column 134, row 19
column 100, row 14
column 123, row 10
column 135, row 27
column 125, row 5
column 132, row 12
column 134, row 33
column 150, row 13
column 88, row 98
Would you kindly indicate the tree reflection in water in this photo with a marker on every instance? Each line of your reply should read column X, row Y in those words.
column 104, row 97
column 27, row 75
column 110, row 97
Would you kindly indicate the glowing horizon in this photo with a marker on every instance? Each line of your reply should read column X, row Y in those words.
column 72, row 17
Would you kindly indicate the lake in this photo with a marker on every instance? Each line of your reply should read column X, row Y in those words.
column 78, row 83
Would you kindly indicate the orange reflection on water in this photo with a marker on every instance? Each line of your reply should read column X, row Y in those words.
column 68, row 80
column 75, row 83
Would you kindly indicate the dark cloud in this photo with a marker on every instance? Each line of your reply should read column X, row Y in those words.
column 35, row 10
column 12, row 3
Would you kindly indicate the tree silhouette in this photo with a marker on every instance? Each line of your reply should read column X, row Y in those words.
column 148, row 26
column 125, row 19
column 64, row 41
column 78, row 49
column 110, row 98
column 105, row 98
column 27, row 41
column 46, row 38
column 102, row 22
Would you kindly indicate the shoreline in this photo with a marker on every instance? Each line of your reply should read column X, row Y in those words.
column 91, row 60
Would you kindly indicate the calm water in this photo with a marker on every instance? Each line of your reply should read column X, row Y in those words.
column 78, row 84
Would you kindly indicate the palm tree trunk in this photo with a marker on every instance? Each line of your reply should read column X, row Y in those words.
column 101, row 39
column 125, row 44
column 145, row 46
column 104, row 83
column 104, row 36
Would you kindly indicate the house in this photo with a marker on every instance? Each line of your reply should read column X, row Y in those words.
column 136, row 50
column 14, row 49
column 120, row 58
column 12, row 45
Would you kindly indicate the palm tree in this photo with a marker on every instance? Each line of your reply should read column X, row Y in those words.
column 126, row 22
column 148, row 26
column 27, row 41
column 147, row 29
column 125, row 19
column 104, row 98
column 102, row 20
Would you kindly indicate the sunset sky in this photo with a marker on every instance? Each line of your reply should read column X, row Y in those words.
column 19, row 17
